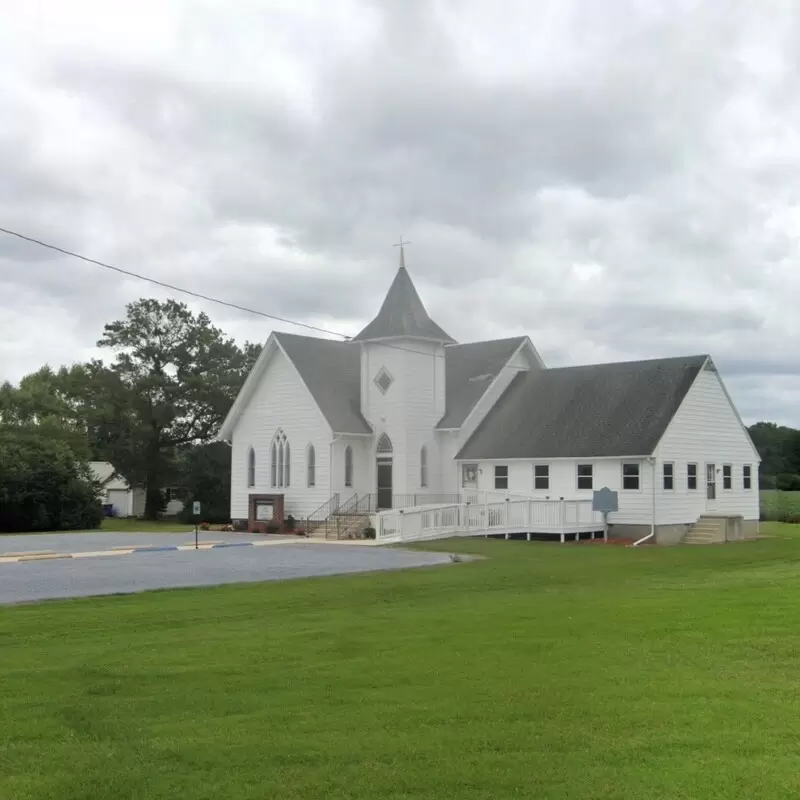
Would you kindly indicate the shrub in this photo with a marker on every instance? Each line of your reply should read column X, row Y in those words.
column 239, row 525
column 290, row 523
column 43, row 485
column 369, row 532
column 204, row 526
column 272, row 527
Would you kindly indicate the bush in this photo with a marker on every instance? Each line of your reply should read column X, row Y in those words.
column 290, row 523
column 239, row 525
column 272, row 527
column 43, row 485
column 787, row 482
column 369, row 532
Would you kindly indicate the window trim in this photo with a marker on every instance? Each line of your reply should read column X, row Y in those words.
column 578, row 477
column 638, row 465
column 311, row 465
column 251, row 467
column 747, row 477
column 423, row 467
column 689, row 476
column 348, row 467
column 280, row 460
column 728, row 478
column 665, row 477
column 545, row 477
column 501, row 477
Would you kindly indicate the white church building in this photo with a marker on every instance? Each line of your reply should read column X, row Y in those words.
column 402, row 416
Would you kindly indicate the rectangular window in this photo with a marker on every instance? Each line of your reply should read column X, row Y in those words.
column 501, row 477
column 630, row 476
column 669, row 476
column 585, row 476
column 691, row 476
column 727, row 476
column 747, row 477
column 541, row 476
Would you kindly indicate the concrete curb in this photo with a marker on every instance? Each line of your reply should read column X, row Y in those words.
column 123, row 550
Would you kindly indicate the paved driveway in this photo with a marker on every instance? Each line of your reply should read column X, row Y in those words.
column 28, row 581
column 88, row 542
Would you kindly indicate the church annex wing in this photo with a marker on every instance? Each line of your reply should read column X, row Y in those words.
column 601, row 410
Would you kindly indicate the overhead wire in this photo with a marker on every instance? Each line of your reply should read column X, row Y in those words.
column 199, row 295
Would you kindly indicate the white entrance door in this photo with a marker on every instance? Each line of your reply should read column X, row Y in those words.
column 711, row 486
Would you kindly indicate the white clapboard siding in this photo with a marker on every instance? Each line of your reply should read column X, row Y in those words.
column 280, row 400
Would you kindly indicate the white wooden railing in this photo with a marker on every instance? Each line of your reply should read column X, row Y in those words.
column 512, row 515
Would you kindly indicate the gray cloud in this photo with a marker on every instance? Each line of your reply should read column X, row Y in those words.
column 617, row 180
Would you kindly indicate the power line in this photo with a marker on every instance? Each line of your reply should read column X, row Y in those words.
column 199, row 295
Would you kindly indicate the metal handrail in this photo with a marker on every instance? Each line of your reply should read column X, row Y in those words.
column 322, row 513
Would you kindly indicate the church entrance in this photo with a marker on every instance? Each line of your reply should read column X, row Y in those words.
column 384, row 484
column 384, row 465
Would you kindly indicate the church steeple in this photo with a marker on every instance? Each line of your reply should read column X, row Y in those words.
column 402, row 313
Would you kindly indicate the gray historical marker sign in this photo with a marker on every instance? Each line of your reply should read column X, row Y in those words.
column 605, row 501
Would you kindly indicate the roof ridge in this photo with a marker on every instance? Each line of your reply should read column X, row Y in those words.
column 632, row 362
column 519, row 338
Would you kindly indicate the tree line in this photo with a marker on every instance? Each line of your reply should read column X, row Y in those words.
column 152, row 410
column 779, row 449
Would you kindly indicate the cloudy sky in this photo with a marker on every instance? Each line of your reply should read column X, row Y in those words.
column 618, row 179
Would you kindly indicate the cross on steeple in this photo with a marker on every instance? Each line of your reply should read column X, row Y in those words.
column 402, row 254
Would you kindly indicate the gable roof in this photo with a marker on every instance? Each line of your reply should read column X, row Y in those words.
column 619, row 409
column 402, row 314
column 332, row 372
column 469, row 371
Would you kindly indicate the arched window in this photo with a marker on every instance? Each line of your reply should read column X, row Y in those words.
column 423, row 467
column 281, row 460
column 384, row 444
column 348, row 466
column 251, row 467
column 311, row 466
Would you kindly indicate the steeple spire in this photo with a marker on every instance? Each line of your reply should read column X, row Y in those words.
column 402, row 252
column 402, row 313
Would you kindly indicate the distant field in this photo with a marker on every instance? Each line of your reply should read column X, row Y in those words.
column 775, row 503
column 567, row 672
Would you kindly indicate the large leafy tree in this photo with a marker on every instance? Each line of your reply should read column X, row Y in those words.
column 181, row 375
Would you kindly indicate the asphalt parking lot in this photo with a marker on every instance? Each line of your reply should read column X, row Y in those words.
column 279, row 558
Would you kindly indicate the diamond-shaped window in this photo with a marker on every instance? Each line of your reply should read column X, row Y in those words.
column 383, row 380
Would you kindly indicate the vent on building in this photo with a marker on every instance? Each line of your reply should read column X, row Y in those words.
column 383, row 380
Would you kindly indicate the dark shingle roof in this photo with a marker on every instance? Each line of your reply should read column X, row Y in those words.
column 332, row 372
column 469, row 370
column 402, row 314
column 618, row 409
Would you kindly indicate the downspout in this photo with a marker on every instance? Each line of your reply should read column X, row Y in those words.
column 651, row 535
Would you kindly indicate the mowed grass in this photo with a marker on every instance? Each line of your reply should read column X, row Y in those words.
column 541, row 671
column 129, row 525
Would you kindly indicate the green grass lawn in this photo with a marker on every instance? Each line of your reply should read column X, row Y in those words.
column 127, row 525
column 542, row 671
